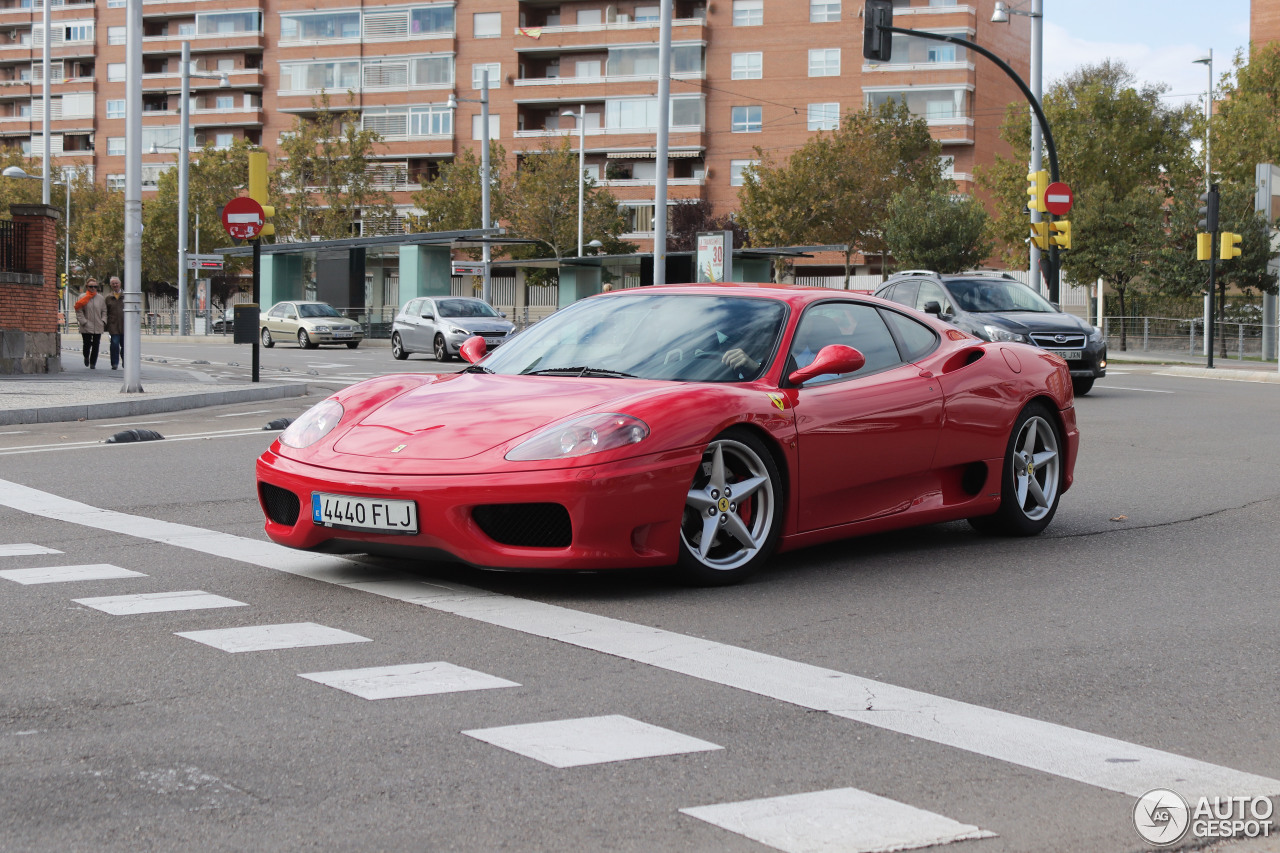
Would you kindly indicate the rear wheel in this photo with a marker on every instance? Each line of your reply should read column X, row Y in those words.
column 1081, row 385
column 442, row 349
column 1031, row 479
column 266, row 339
column 733, row 511
column 398, row 352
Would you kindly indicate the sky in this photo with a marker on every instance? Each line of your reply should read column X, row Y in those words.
column 1158, row 39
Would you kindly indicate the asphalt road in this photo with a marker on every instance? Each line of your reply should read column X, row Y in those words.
column 1146, row 614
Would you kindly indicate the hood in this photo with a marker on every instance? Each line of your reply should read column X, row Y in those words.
column 467, row 414
column 479, row 324
column 330, row 321
column 1028, row 322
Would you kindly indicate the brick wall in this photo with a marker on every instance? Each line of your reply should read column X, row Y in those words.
column 29, row 340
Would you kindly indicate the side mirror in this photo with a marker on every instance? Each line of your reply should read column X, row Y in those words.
column 932, row 307
column 473, row 349
column 502, row 314
column 835, row 358
column 428, row 316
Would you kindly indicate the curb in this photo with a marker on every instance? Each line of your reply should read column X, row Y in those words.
column 149, row 405
column 1231, row 375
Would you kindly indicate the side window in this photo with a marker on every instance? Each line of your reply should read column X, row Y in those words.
column 851, row 324
column 905, row 293
column 930, row 292
column 918, row 340
column 415, row 308
column 278, row 311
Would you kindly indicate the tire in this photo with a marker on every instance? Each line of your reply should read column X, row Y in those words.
column 266, row 339
column 1029, row 493
column 398, row 352
column 352, row 344
column 441, row 349
column 304, row 340
column 736, row 499
column 1082, row 385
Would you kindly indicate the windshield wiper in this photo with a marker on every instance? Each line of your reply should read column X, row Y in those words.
column 477, row 368
column 579, row 371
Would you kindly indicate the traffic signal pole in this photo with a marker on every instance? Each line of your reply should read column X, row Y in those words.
column 257, row 300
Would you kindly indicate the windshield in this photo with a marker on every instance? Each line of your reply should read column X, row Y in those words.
column 317, row 309
column 465, row 308
column 659, row 336
column 986, row 295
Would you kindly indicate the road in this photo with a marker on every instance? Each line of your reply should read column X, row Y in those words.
column 1020, row 692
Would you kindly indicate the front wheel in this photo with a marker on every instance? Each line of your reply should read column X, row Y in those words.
column 442, row 349
column 1081, row 385
column 266, row 339
column 304, row 340
column 733, row 511
column 398, row 352
column 352, row 344
column 1031, row 479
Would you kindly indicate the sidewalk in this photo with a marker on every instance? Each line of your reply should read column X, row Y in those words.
column 1184, row 364
column 78, row 393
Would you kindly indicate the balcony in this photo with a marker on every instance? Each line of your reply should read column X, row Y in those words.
column 171, row 81
column 602, row 35
column 220, row 42
column 617, row 80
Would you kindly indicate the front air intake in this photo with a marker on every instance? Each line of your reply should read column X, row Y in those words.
column 281, row 504
column 543, row 525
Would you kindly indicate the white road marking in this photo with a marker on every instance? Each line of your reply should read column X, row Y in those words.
column 158, row 602
column 844, row 820
column 25, row 549
column 65, row 574
column 98, row 443
column 244, row 414
column 413, row 679
column 1221, row 374
column 1124, row 388
column 1104, row 762
column 590, row 740
column 261, row 638
column 16, row 432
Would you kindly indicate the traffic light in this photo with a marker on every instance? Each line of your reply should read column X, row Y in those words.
column 1208, row 211
column 1204, row 247
column 1040, row 234
column 258, row 189
column 1230, row 246
column 1060, row 233
column 877, row 41
column 1037, row 183
column 62, row 281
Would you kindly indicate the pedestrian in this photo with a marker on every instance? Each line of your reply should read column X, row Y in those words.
column 91, row 316
column 115, row 322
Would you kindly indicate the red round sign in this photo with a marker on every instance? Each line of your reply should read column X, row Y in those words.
column 1057, row 198
column 243, row 218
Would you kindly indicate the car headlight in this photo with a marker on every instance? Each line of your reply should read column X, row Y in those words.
column 581, row 436
column 322, row 328
column 315, row 424
column 997, row 333
column 1095, row 335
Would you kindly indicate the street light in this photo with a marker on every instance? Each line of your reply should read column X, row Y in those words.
column 483, row 100
column 1208, row 114
column 18, row 172
column 581, row 117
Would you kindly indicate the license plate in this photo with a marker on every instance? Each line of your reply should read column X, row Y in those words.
column 352, row 513
column 342, row 333
column 1068, row 354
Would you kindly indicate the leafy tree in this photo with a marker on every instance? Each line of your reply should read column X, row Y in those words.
column 690, row 217
column 97, row 230
column 929, row 228
column 322, row 185
column 836, row 188
column 1247, row 115
column 452, row 201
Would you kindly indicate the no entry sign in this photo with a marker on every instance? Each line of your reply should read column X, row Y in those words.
column 243, row 218
column 1057, row 198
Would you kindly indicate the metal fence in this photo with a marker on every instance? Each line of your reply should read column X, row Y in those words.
column 1184, row 337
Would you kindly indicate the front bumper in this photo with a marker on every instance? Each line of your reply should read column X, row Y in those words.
column 623, row 514
column 331, row 338
column 455, row 342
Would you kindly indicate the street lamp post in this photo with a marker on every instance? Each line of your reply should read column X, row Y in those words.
column 18, row 172
column 483, row 100
column 581, row 117
column 1208, row 114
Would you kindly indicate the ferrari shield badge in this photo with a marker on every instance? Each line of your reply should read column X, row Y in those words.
column 778, row 401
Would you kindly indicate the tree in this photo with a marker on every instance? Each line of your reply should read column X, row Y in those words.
column 452, row 201
column 97, row 230
column 690, row 217
column 934, row 229
column 322, row 185
column 836, row 188
column 1247, row 115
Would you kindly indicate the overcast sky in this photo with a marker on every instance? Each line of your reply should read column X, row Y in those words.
column 1157, row 39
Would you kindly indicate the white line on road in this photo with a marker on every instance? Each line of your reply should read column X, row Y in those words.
column 243, row 414
column 1124, row 388
column 98, row 443
column 1104, row 762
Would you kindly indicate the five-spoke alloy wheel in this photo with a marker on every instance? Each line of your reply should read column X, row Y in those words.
column 304, row 340
column 442, row 349
column 398, row 352
column 733, row 511
column 1031, row 478
column 266, row 339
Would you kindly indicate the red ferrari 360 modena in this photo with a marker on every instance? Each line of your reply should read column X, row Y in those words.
column 698, row 426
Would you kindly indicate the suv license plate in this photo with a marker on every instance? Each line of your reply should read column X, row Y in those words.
column 352, row 513
column 1068, row 354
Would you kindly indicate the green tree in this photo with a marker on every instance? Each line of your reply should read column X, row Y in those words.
column 1247, row 115
column 934, row 229
column 321, row 185
column 97, row 231
column 836, row 188
column 452, row 200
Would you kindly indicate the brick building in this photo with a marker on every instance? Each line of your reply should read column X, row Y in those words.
column 745, row 73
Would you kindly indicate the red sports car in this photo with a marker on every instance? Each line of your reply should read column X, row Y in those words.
column 698, row 426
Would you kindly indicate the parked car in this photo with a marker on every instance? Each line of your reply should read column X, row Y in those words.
column 995, row 307
column 704, row 426
column 439, row 325
column 225, row 323
column 310, row 324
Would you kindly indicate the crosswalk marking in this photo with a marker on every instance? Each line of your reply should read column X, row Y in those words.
column 590, row 740
column 158, row 602
column 844, row 820
column 261, row 638
column 1097, row 760
column 25, row 549
column 411, row 679
column 65, row 574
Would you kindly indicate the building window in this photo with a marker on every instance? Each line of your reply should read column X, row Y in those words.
column 432, row 71
column 948, row 166
column 431, row 121
column 735, row 171
column 115, row 146
column 586, row 69
column 115, row 72
column 225, row 102
column 116, row 35
column 748, row 13
column 477, row 129
column 822, row 11
column 648, row 14
column 223, row 140
column 115, row 183
column 639, row 218
column 432, row 20
column 748, row 66
column 942, row 53
column 933, row 104
column 115, row 108
column 212, row 23
column 323, row 26
column 824, row 62
column 486, row 25
column 589, row 18
column 824, row 116
column 747, row 119
column 495, row 74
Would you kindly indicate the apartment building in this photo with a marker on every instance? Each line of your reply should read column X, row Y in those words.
column 745, row 74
